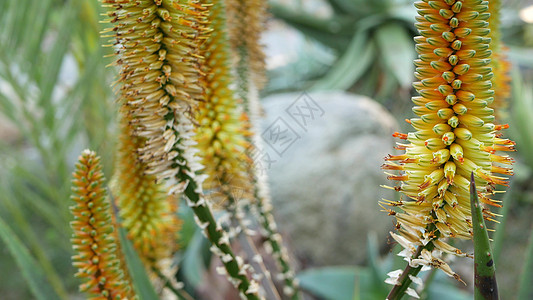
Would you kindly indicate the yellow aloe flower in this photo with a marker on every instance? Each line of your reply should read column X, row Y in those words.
column 148, row 213
column 94, row 239
column 222, row 132
column 454, row 131
column 501, row 82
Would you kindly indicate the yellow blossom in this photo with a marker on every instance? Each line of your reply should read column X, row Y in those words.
column 454, row 134
column 157, row 46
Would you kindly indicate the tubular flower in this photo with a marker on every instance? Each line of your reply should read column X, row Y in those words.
column 157, row 43
column 247, row 20
column 147, row 213
column 499, row 63
column 221, row 134
column 454, row 134
column 94, row 239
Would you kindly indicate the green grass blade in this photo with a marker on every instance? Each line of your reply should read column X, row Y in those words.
column 31, row 271
column 332, row 283
column 485, row 287
column 140, row 280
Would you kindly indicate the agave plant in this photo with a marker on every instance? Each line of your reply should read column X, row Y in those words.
column 361, row 34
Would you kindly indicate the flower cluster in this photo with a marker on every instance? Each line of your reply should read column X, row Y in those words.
column 157, row 43
column 222, row 132
column 148, row 213
column 454, row 131
column 499, row 63
column 94, row 239
column 159, row 47
column 246, row 23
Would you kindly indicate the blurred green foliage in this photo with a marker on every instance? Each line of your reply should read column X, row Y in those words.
column 371, row 39
column 55, row 88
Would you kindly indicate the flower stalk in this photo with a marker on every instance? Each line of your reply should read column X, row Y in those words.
column 274, row 244
column 246, row 23
column 454, row 133
column 162, row 81
column 405, row 279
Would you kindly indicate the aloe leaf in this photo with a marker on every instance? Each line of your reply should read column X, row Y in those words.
column 333, row 32
column 345, row 6
column 485, row 286
column 140, row 279
column 32, row 272
column 351, row 66
column 397, row 51
column 332, row 283
column 193, row 261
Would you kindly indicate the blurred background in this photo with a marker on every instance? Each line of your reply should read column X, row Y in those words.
column 340, row 74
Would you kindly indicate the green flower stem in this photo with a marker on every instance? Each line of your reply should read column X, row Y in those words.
column 273, row 238
column 485, row 287
column 404, row 281
column 180, row 293
column 217, row 237
column 247, row 91
column 251, row 251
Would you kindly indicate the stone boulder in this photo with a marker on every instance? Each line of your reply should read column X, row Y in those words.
column 323, row 153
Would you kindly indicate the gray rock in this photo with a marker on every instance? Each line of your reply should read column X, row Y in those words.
column 325, row 172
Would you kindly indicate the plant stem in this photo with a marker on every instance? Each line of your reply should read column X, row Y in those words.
column 181, row 294
column 251, row 251
column 404, row 281
column 218, row 238
column 279, row 252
